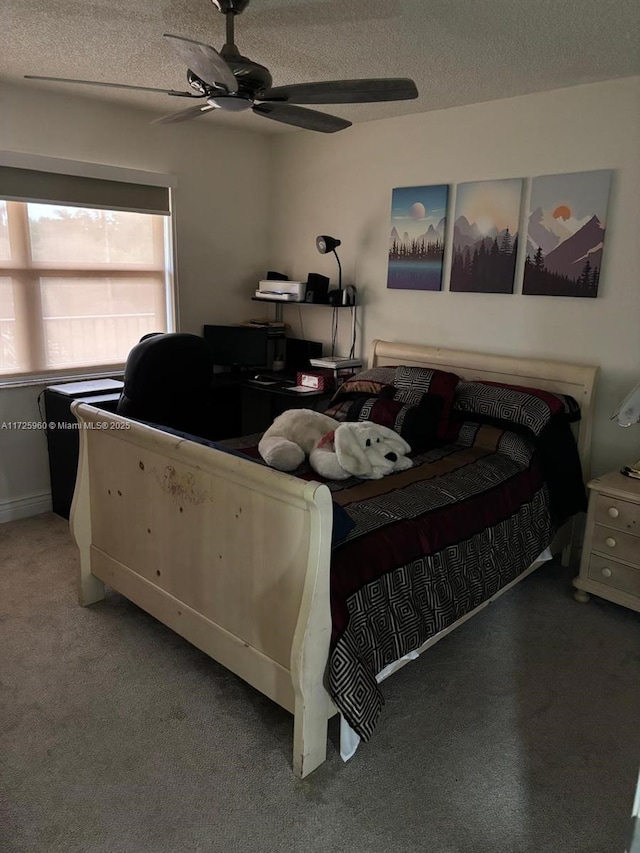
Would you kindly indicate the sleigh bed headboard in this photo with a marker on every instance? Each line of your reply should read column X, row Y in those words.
column 578, row 380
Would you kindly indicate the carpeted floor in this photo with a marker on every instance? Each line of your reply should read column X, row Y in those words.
column 517, row 734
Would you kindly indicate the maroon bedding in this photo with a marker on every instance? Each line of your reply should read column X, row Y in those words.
column 430, row 544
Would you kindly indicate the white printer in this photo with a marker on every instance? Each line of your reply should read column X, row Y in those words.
column 284, row 291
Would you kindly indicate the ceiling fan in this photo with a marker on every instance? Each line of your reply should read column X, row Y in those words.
column 226, row 80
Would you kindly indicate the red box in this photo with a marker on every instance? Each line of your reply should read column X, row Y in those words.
column 321, row 379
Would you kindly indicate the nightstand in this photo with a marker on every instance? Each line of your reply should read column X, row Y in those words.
column 610, row 564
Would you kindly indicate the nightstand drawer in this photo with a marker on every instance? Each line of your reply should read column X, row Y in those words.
column 614, row 574
column 618, row 513
column 619, row 545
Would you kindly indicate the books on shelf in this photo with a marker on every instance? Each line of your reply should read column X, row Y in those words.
column 263, row 321
column 273, row 328
column 335, row 362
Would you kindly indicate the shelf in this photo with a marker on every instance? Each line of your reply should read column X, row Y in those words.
column 279, row 303
column 291, row 302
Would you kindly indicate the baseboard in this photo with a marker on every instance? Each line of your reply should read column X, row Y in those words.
column 25, row 507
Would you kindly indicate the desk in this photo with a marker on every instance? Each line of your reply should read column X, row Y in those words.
column 262, row 402
column 63, row 441
column 62, row 435
column 241, row 407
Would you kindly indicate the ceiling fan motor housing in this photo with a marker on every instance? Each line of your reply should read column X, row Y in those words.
column 252, row 77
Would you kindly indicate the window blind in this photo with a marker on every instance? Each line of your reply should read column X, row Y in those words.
column 78, row 191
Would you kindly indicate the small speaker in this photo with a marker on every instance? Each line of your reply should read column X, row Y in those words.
column 317, row 288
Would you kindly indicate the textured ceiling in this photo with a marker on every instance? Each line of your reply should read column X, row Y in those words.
column 457, row 51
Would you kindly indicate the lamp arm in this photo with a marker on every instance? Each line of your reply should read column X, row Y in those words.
column 339, row 270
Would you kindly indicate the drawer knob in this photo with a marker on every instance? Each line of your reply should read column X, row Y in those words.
column 607, row 572
column 613, row 511
column 610, row 541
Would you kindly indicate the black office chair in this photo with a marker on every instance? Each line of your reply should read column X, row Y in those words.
column 167, row 381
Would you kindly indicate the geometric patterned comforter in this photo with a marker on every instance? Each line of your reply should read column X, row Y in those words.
column 429, row 545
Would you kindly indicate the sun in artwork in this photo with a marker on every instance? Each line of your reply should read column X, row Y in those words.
column 562, row 212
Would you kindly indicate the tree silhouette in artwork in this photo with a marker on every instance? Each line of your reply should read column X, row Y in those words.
column 505, row 243
column 540, row 281
column 584, row 279
column 416, row 251
column 486, row 267
column 538, row 260
column 415, row 263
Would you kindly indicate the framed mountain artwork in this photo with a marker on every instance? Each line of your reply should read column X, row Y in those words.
column 416, row 240
column 565, row 233
column 485, row 236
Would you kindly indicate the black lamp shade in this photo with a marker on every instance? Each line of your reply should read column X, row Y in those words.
column 326, row 244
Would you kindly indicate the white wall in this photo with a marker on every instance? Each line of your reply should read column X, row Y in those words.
column 236, row 190
column 221, row 207
column 341, row 185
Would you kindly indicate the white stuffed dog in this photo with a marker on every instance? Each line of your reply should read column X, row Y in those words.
column 336, row 450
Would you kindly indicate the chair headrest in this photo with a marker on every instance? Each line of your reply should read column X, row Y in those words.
column 178, row 361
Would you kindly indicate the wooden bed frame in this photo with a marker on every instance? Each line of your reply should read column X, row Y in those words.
column 235, row 556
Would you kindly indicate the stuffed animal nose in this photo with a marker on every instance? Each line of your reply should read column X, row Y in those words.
column 391, row 456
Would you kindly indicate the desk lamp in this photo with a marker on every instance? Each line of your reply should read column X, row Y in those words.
column 326, row 244
column 627, row 414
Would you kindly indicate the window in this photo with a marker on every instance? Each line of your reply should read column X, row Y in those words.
column 79, row 286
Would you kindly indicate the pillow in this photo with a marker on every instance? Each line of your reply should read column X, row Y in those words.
column 412, row 383
column 369, row 382
column 406, row 385
column 417, row 424
column 525, row 409
column 516, row 446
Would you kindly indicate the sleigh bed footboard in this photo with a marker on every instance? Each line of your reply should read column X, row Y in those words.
column 231, row 555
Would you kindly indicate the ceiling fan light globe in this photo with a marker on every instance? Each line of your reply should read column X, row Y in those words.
column 230, row 103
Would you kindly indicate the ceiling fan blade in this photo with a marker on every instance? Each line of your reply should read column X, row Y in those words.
column 205, row 61
column 344, row 91
column 299, row 117
column 185, row 115
column 110, row 85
